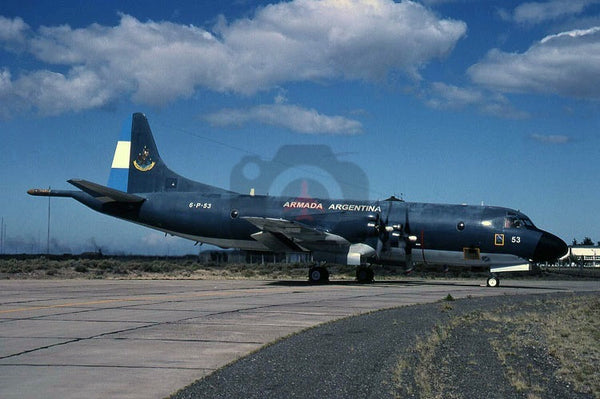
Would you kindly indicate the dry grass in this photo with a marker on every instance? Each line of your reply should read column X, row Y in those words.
column 125, row 268
column 574, row 340
column 569, row 334
column 59, row 267
column 189, row 267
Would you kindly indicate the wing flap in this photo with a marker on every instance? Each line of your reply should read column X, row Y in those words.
column 105, row 194
column 288, row 235
column 277, row 242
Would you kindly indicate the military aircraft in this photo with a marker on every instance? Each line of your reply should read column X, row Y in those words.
column 143, row 190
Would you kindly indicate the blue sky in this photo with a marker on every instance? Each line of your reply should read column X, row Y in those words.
column 443, row 101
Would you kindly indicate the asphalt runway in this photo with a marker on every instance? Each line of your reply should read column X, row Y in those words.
column 149, row 338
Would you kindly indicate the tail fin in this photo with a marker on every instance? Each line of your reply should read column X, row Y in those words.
column 138, row 168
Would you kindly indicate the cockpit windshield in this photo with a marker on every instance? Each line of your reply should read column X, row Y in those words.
column 517, row 221
column 508, row 219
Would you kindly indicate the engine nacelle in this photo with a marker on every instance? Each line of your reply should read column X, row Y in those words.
column 358, row 254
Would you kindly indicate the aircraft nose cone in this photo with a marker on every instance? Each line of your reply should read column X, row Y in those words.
column 549, row 248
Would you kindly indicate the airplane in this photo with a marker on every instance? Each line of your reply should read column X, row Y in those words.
column 143, row 190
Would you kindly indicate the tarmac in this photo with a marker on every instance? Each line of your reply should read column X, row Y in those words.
column 150, row 338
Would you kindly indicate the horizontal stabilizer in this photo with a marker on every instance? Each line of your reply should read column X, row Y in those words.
column 105, row 194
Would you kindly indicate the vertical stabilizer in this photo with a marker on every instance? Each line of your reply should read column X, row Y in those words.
column 138, row 168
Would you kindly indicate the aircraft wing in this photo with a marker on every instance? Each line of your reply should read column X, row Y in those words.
column 282, row 235
column 105, row 194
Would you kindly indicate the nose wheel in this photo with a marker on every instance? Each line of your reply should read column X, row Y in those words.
column 493, row 281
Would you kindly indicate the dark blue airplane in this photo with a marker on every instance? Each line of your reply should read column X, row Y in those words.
column 143, row 190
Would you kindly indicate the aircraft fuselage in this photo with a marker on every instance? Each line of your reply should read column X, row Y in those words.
column 461, row 235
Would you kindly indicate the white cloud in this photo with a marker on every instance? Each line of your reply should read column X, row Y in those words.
column 567, row 64
column 305, row 40
column 574, row 33
column 447, row 96
column 499, row 106
column 56, row 93
column 444, row 96
column 551, row 139
column 5, row 82
column 537, row 12
column 13, row 33
column 291, row 117
column 433, row 3
column 157, row 62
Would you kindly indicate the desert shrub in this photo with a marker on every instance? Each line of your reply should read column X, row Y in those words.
column 79, row 268
column 10, row 266
column 119, row 269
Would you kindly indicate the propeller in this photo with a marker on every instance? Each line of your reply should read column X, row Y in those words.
column 386, row 234
column 383, row 242
column 408, row 244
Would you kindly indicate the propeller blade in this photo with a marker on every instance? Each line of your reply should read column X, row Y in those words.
column 408, row 246
column 387, row 217
column 409, row 263
column 379, row 248
column 406, row 226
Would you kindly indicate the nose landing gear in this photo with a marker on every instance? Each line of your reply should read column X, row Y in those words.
column 493, row 281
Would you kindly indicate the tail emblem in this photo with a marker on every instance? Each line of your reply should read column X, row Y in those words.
column 144, row 162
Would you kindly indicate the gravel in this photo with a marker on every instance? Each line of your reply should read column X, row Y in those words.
column 441, row 350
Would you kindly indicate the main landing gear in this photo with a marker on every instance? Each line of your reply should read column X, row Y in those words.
column 493, row 281
column 318, row 275
column 364, row 274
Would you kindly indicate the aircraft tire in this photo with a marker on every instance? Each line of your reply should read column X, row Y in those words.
column 364, row 275
column 318, row 275
column 493, row 281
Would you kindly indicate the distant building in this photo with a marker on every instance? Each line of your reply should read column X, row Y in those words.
column 586, row 256
column 253, row 257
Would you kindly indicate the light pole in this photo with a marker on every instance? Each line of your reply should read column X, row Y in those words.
column 48, row 237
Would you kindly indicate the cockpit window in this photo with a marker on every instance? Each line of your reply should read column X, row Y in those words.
column 517, row 221
column 512, row 222
column 506, row 220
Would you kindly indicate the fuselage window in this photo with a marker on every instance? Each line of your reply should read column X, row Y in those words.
column 460, row 226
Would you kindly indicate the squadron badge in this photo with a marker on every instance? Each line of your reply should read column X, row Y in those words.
column 499, row 240
column 144, row 162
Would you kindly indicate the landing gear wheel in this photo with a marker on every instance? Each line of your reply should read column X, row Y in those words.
column 364, row 275
column 318, row 275
column 493, row 281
